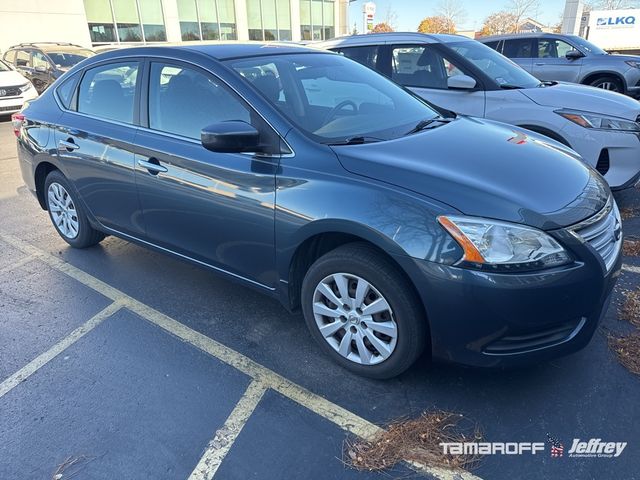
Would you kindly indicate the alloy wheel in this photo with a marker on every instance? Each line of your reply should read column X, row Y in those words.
column 63, row 211
column 355, row 319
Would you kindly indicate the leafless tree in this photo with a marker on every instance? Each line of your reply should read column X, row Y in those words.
column 391, row 17
column 521, row 9
column 452, row 11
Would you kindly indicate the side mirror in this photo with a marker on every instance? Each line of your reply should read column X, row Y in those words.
column 234, row 136
column 42, row 68
column 574, row 55
column 461, row 82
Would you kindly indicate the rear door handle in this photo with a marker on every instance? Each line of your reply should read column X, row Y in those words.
column 69, row 145
column 153, row 166
column 539, row 64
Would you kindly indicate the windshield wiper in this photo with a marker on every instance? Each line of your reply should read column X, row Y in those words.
column 424, row 124
column 358, row 140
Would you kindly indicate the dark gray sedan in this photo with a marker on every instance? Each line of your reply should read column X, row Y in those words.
column 394, row 227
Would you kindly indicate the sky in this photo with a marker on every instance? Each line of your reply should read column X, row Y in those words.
column 410, row 12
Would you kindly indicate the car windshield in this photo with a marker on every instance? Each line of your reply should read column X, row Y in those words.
column 69, row 59
column 334, row 99
column 506, row 73
column 4, row 67
column 587, row 46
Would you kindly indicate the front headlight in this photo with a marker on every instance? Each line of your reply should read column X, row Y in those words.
column 495, row 245
column 633, row 63
column 26, row 87
column 600, row 122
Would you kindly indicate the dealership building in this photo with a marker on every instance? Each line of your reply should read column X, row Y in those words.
column 96, row 22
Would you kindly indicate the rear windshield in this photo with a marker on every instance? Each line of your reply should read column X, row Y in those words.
column 333, row 98
column 68, row 59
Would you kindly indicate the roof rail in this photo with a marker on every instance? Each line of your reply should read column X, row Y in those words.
column 35, row 44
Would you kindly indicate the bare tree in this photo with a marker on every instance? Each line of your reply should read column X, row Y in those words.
column 498, row 24
column 391, row 17
column 520, row 9
column 452, row 11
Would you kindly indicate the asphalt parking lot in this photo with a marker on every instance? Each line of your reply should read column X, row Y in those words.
column 124, row 363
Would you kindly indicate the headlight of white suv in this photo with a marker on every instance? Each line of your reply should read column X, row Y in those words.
column 600, row 122
column 495, row 245
column 26, row 87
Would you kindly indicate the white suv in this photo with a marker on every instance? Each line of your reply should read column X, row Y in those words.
column 467, row 77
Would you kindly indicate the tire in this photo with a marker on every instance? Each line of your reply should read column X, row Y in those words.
column 67, row 213
column 610, row 83
column 352, row 264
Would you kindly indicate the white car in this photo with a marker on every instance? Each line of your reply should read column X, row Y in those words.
column 467, row 77
column 15, row 89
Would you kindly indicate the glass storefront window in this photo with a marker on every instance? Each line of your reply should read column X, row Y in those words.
column 152, row 20
column 127, row 21
column 188, row 16
column 208, row 20
column 135, row 20
column 269, row 19
column 100, row 19
column 227, row 19
column 317, row 19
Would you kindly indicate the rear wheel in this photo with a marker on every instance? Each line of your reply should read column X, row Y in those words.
column 67, row 213
column 363, row 312
column 608, row 83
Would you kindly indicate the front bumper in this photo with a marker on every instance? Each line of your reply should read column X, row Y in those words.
column 9, row 105
column 622, row 152
column 487, row 319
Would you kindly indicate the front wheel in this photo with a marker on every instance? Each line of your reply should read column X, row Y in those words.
column 67, row 213
column 608, row 83
column 363, row 312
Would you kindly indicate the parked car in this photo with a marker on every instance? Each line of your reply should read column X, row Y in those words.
column 393, row 227
column 465, row 76
column 43, row 62
column 569, row 58
column 15, row 90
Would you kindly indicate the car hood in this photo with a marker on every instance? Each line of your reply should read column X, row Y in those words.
column 11, row 79
column 587, row 99
column 487, row 169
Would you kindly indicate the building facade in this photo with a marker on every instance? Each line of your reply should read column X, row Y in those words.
column 97, row 22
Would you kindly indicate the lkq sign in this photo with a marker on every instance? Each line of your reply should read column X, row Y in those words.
column 615, row 29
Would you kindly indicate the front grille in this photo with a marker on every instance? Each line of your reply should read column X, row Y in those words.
column 603, row 232
column 603, row 162
column 8, row 109
column 10, row 91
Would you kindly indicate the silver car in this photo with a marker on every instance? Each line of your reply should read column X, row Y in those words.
column 569, row 58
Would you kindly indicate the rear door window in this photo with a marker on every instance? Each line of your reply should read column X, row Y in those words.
column 22, row 58
column 518, row 48
column 108, row 91
column 366, row 55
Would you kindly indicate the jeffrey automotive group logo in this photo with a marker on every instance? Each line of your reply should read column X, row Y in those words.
column 592, row 448
column 622, row 21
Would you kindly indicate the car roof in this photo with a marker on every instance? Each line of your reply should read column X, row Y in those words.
column 391, row 37
column 217, row 50
column 522, row 35
column 48, row 46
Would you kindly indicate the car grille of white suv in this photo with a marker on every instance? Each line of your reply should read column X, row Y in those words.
column 603, row 232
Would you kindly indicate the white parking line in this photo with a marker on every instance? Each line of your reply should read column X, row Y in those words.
column 225, row 437
column 41, row 360
column 18, row 263
column 342, row 417
column 630, row 268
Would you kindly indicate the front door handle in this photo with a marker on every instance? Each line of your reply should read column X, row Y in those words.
column 153, row 166
column 69, row 145
column 539, row 64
